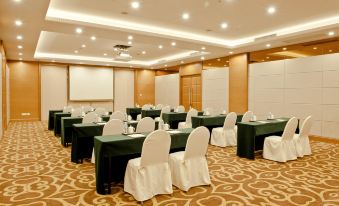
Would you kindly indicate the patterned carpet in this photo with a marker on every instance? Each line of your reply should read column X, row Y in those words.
column 36, row 170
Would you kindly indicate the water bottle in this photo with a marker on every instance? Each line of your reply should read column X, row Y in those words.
column 125, row 127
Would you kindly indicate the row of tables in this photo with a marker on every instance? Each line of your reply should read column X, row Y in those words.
column 113, row 152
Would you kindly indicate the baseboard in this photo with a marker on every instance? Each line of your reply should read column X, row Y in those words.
column 324, row 139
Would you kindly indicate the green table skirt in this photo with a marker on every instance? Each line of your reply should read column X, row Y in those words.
column 173, row 118
column 133, row 112
column 51, row 118
column 150, row 113
column 57, row 122
column 113, row 152
column 211, row 121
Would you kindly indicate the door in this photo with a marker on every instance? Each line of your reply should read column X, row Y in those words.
column 191, row 91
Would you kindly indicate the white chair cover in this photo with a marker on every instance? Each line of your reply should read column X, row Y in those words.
column 159, row 106
column 180, row 108
column 67, row 109
column 301, row 140
column 146, row 124
column 188, row 122
column 90, row 117
column 118, row 115
column 150, row 174
column 146, row 106
column 209, row 111
column 225, row 136
column 165, row 109
column 76, row 112
column 189, row 168
column 112, row 127
column 282, row 149
column 87, row 109
column 100, row 111
column 245, row 118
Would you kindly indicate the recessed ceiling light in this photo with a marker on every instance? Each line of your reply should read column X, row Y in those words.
column 18, row 22
column 271, row 10
column 263, row 60
column 93, row 38
column 105, row 54
column 160, row 46
column 129, row 42
column 83, row 46
column 185, row 16
column 130, row 37
column 331, row 33
column 53, row 60
column 267, row 57
column 223, row 25
column 20, row 47
column 173, row 43
column 78, row 30
column 182, row 62
column 18, row 1
column 165, row 65
column 19, row 37
column 115, row 49
column 284, row 48
column 202, row 58
column 76, row 51
column 135, row 4
column 230, row 52
column 225, row 65
column 20, row 59
column 20, row 54
column 143, row 52
column 330, row 50
column 315, row 48
column 268, row 45
column 203, row 48
column 218, row 60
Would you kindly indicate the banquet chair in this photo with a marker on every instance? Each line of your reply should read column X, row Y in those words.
column 150, row 175
column 225, row 136
column 100, row 111
column 282, row 148
column 67, row 109
column 188, row 122
column 189, row 168
column 117, row 115
column 146, row 124
column 301, row 140
column 245, row 118
column 90, row 117
column 76, row 112
column 112, row 127
column 144, row 107
column 87, row 109
column 165, row 109
column 180, row 108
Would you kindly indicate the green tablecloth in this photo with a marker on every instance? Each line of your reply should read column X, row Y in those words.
column 211, row 121
column 150, row 113
column 173, row 118
column 134, row 111
column 251, row 135
column 113, row 152
column 57, row 122
column 51, row 118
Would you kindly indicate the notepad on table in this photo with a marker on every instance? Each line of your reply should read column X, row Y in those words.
column 101, row 123
column 174, row 132
column 136, row 135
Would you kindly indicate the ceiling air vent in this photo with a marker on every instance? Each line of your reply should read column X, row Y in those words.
column 122, row 53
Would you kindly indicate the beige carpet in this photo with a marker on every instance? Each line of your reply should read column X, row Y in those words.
column 36, row 170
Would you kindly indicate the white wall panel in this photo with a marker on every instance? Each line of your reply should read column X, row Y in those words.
column 304, row 80
column 269, row 82
column 303, row 111
column 300, row 65
column 123, row 89
column 330, row 96
column 330, row 129
column 331, row 62
column 269, row 95
column 269, row 68
column 331, row 79
column 215, row 88
column 167, row 90
column 303, row 95
column 331, row 113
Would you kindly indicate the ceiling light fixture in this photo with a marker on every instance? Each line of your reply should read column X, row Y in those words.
column 18, row 1
column 130, row 37
column 218, row 60
column 19, row 37
column 105, row 54
column 271, row 10
column 330, row 50
column 203, row 48
column 20, row 47
column 268, row 45
column 78, row 30
column 129, row 42
column 143, row 52
column 76, row 51
column 230, row 52
column 18, row 23
column 315, row 48
column 284, row 48
column 160, row 46
column 182, row 62
column 202, row 58
column 93, row 38
column 20, row 59
column 83, row 46
column 223, row 25
column 20, row 54
column 135, row 4
column 331, row 33
column 173, row 43
column 185, row 16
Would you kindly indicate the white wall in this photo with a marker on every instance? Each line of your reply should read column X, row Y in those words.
column 215, row 88
column 298, row 87
column 8, row 95
column 123, row 89
column 167, row 90
column 53, row 88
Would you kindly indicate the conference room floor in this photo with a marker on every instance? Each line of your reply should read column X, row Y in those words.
column 36, row 170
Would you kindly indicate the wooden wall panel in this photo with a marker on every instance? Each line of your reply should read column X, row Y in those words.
column 162, row 72
column 190, row 69
column 144, row 87
column 24, row 90
column 238, row 83
column 4, row 88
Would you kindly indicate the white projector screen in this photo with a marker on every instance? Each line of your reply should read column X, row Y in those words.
column 90, row 83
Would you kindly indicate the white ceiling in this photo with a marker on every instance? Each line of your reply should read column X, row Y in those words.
column 48, row 28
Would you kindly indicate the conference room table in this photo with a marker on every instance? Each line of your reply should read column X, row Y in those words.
column 173, row 118
column 251, row 135
column 51, row 118
column 67, row 127
column 212, row 121
column 113, row 152
column 82, row 138
column 133, row 112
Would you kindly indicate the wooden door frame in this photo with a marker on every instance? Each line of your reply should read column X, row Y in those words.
column 181, row 87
